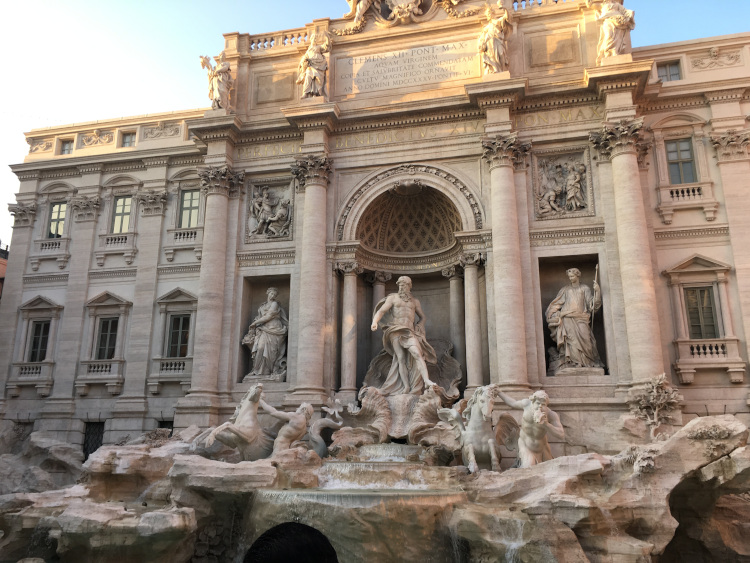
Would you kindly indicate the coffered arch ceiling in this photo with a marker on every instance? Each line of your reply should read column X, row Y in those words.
column 409, row 218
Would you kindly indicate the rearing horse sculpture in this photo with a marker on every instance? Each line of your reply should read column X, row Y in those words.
column 243, row 431
column 473, row 427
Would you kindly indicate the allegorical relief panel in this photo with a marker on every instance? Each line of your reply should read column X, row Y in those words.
column 269, row 214
column 562, row 184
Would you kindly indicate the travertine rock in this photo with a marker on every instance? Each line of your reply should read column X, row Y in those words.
column 195, row 472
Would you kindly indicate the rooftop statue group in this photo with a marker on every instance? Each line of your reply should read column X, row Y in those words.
column 440, row 423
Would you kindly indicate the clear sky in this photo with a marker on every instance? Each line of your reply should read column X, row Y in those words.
column 82, row 60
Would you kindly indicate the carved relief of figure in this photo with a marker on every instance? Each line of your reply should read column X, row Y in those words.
column 404, row 339
column 219, row 81
column 537, row 421
column 266, row 339
column 569, row 321
column 278, row 224
column 270, row 215
column 493, row 42
column 616, row 23
column 550, row 189
column 313, row 67
column 573, row 189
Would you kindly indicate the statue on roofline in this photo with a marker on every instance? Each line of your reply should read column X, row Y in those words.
column 219, row 81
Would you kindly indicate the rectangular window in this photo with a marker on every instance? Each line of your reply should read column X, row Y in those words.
column 93, row 438
column 669, row 72
column 128, row 139
column 121, row 215
column 189, row 202
column 66, row 147
column 680, row 161
column 57, row 219
column 105, row 346
column 179, row 334
column 39, row 340
column 699, row 302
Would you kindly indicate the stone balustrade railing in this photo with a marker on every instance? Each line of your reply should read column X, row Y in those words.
column 288, row 38
column 30, row 374
column 520, row 5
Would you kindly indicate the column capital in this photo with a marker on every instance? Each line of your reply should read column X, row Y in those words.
column 23, row 214
column 349, row 268
column 153, row 202
column 312, row 169
column 84, row 208
column 222, row 180
column 452, row 272
column 471, row 259
column 731, row 145
column 505, row 150
column 378, row 277
column 617, row 138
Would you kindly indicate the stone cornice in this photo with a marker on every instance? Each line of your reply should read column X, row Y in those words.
column 725, row 96
column 312, row 169
column 577, row 235
column 497, row 93
column 700, row 232
column 502, row 150
column 627, row 76
column 659, row 105
column 266, row 258
column 617, row 138
column 156, row 161
column 215, row 129
column 313, row 115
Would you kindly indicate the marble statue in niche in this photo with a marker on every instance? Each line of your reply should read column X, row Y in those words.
column 270, row 215
column 537, row 421
column 219, row 81
column 493, row 42
column 570, row 320
column 266, row 339
column 617, row 23
column 562, row 187
column 405, row 341
column 313, row 67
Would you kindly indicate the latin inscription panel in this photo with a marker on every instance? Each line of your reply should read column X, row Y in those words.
column 416, row 66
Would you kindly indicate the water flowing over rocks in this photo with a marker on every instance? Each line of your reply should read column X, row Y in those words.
column 683, row 498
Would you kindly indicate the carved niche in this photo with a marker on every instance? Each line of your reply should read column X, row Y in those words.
column 562, row 184
column 270, row 209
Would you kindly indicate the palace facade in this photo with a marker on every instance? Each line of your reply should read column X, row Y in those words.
column 482, row 155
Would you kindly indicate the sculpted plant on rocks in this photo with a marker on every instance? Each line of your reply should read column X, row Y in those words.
column 655, row 404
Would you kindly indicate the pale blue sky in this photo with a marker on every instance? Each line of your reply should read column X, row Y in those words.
column 81, row 60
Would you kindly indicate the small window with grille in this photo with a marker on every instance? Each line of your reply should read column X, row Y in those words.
column 93, row 438
column 66, row 147
column 128, row 139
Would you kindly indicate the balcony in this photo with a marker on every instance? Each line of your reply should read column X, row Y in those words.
column 170, row 370
column 57, row 249
column 116, row 244
column 31, row 374
column 184, row 239
column 711, row 354
column 687, row 196
column 100, row 372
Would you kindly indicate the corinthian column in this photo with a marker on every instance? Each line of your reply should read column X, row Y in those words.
column 503, row 152
column 378, row 280
column 457, row 314
column 618, row 142
column 348, row 389
column 202, row 399
column 474, row 376
column 312, row 173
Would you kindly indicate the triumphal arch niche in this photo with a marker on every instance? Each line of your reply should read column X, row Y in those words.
column 418, row 221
